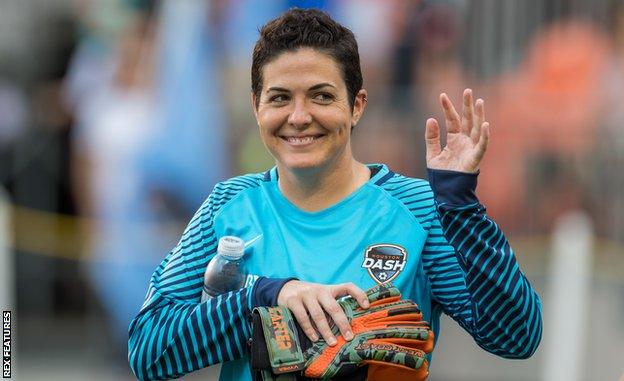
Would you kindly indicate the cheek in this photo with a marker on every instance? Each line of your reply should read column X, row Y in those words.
column 338, row 122
column 265, row 128
column 269, row 121
column 345, row 127
column 268, row 138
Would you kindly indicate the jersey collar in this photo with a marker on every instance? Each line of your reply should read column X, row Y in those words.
column 379, row 173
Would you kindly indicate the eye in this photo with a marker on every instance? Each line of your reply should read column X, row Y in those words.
column 278, row 98
column 323, row 97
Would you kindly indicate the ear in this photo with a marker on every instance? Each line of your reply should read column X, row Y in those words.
column 253, row 105
column 359, row 105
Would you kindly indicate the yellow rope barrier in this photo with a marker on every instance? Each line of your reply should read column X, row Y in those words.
column 62, row 236
column 49, row 234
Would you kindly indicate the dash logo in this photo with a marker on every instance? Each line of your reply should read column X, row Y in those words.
column 384, row 262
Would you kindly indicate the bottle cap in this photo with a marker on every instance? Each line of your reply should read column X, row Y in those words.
column 231, row 247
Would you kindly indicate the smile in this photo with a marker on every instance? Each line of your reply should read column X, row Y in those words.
column 301, row 140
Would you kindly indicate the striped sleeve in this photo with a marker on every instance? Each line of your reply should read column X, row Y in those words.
column 472, row 269
column 173, row 333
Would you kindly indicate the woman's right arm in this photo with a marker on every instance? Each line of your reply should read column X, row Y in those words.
column 174, row 333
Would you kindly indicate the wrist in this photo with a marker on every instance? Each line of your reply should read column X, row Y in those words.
column 266, row 291
column 453, row 188
column 282, row 294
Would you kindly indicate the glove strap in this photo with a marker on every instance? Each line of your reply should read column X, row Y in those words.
column 282, row 342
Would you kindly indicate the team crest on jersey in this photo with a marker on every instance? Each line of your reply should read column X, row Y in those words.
column 384, row 262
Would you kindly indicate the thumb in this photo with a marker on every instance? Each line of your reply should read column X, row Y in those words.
column 432, row 138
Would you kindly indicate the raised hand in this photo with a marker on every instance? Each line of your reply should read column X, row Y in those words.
column 466, row 137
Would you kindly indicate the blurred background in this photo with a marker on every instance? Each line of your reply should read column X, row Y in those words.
column 117, row 118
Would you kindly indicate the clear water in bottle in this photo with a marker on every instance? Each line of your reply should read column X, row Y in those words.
column 224, row 273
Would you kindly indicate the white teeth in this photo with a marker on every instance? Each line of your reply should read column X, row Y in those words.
column 300, row 140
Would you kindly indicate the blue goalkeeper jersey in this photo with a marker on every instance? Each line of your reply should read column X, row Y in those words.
column 442, row 252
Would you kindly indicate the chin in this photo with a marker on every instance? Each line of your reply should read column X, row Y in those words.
column 301, row 164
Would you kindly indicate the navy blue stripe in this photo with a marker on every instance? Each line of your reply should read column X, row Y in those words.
column 385, row 177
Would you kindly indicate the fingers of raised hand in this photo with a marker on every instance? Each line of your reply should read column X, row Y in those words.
column 432, row 138
column 484, row 138
column 451, row 116
column 467, row 122
column 475, row 134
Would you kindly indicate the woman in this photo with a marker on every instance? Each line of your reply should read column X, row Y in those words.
column 336, row 225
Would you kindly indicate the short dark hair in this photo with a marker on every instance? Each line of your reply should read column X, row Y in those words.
column 307, row 28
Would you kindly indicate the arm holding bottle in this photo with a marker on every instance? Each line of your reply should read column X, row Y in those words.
column 174, row 334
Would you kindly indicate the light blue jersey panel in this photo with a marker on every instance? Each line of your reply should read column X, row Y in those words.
column 368, row 235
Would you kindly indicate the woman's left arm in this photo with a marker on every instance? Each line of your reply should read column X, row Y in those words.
column 493, row 300
column 476, row 279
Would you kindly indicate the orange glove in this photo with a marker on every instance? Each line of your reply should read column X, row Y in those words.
column 390, row 337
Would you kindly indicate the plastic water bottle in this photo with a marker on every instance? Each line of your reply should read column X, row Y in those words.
column 223, row 273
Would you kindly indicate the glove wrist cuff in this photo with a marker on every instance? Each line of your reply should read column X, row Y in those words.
column 275, row 326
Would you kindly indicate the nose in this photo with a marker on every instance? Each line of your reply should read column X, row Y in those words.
column 299, row 115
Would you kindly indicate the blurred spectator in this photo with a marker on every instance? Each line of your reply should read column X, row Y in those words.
column 13, row 123
column 544, row 118
column 151, row 142
column 238, row 22
column 13, row 112
column 189, row 151
column 603, row 184
column 425, row 62
column 37, row 168
column 115, row 109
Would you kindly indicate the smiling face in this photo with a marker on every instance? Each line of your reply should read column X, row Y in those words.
column 304, row 114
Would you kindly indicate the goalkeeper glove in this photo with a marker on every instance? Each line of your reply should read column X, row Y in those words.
column 389, row 336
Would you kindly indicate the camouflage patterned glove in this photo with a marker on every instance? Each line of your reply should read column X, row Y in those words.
column 390, row 336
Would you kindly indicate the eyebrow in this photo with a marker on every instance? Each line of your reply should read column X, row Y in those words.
column 315, row 87
column 321, row 85
column 277, row 89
